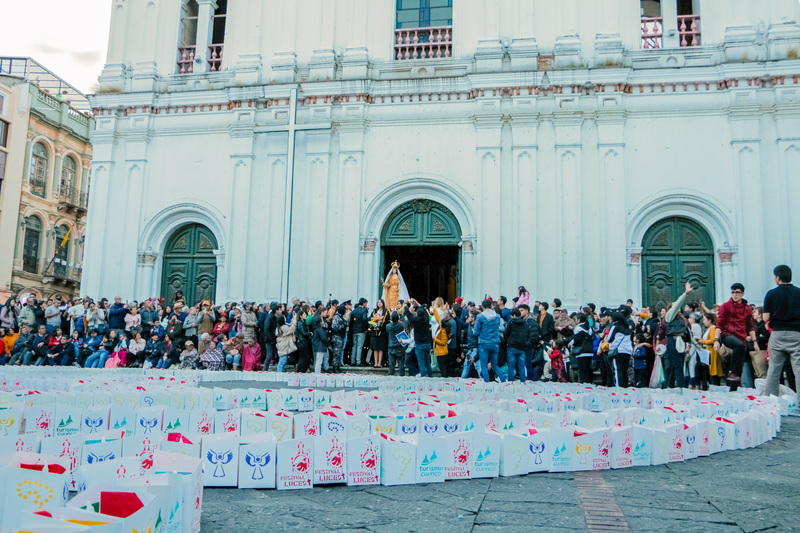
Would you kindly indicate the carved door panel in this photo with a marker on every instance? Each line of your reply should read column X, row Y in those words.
column 659, row 281
column 190, row 265
column 674, row 251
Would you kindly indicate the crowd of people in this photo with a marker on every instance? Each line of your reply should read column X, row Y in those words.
column 685, row 344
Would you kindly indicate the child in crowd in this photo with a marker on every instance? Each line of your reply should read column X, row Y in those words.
column 640, row 361
column 556, row 352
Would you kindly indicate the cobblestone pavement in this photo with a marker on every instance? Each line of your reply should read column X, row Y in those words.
column 744, row 490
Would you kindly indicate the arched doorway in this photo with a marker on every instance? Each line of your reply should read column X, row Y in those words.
column 674, row 251
column 424, row 236
column 190, row 265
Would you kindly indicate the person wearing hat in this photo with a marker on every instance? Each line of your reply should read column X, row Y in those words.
column 207, row 318
column 189, row 357
column 222, row 327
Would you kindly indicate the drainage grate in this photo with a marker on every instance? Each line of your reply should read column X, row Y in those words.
column 599, row 504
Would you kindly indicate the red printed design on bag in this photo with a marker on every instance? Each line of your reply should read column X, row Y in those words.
column 204, row 426
column 231, row 424
column 300, row 461
column 369, row 459
column 310, row 428
column 335, row 456
column 605, row 446
column 44, row 421
column 626, row 444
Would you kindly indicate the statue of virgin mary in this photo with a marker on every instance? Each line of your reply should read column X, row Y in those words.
column 394, row 288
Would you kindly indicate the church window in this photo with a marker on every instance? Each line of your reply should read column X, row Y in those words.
column 30, row 248
column 423, row 29
column 68, row 171
column 188, row 38
column 62, row 253
column 38, row 177
column 217, row 36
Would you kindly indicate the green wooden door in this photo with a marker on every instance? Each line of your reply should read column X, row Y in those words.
column 190, row 265
column 674, row 251
column 424, row 236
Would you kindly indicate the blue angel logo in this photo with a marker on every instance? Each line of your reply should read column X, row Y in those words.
column 257, row 462
column 431, row 428
column 537, row 449
column 93, row 424
column 409, row 429
column 92, row 458
column 148, row 424
column 219, row 460
column 451, row 428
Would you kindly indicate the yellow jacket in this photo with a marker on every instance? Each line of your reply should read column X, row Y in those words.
column 715, row 361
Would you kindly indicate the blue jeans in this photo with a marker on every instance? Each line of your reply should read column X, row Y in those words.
column 358, row 345
column 282, row 362
column 93, row 360
column 423, row 352
column 234, row 360
column 164, row 363
column 488, row 354
column 528, row 364
column 467, row 363
column 516, row 361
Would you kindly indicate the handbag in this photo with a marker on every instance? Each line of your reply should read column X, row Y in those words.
column 657, row 377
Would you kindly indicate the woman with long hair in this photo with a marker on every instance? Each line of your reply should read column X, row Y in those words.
column 284, row 344
column 524, row 297
column 379, row 344
column 9, row 316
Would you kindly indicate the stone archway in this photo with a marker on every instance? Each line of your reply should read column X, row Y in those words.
column 424, row 236
column 190, row 265
column 676, row 250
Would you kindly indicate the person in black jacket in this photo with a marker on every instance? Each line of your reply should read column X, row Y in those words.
column 421, row 323
column 320, row 344
column 516, row 335
column 359, row 324
column 583, row 347
column 533, row 338
column 397, row 353
column 267, row 323
column 303, row 337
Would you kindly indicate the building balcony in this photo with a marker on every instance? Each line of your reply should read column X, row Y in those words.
column 72, row 199
column 215, row 57
column 423, row 43
column 60, row 272
column 653, row 31
column 38, row 187
column 186, row 59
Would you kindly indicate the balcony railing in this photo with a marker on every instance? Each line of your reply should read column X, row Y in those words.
column 72, row 198
column 215, row 57
column 421, row 43
column 689, row 30
column 652, row 32
column 38, row 187
column 186, row 59
column 62, row 272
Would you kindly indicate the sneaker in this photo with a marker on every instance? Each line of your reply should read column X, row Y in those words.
column 733, row 377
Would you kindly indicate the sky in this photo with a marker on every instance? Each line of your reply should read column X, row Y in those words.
column 68, row 37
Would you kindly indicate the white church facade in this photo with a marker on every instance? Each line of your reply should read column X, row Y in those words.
column 588, row 150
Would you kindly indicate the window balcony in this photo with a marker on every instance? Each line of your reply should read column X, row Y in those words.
column 186, row 59
column 215, row 57
column 38, row 187
column 653, row 31
column 422, row 43
column 70, row 198
column 689, row 30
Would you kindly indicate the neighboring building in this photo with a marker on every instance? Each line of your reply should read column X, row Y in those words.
column 585, row 149
column 43, row 196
